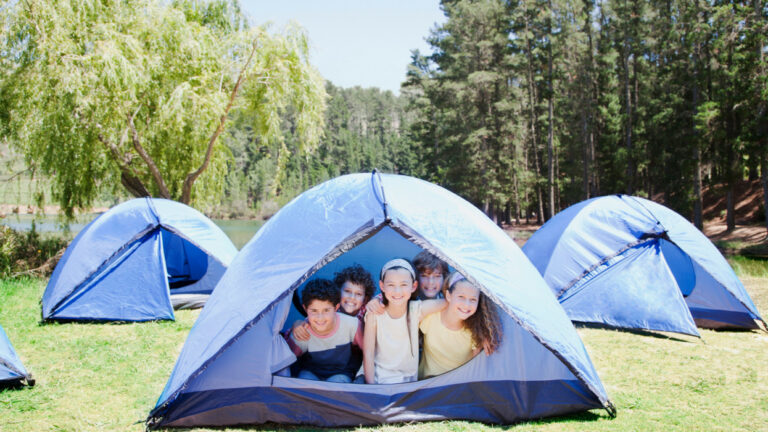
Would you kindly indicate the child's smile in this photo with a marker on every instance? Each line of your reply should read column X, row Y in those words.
column 321, row 315
column 352, row 296
column 430, row 283
column 462, row 302
column 397, row 286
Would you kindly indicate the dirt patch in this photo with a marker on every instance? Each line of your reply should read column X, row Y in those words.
column 748, row 203
column 716, row 231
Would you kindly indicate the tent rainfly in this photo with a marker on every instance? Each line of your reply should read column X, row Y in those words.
column 12, row 372
column 136, row 261
column 228, row 371
column 627, row 262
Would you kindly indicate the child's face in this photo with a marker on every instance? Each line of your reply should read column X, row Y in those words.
column 463, row 300
column 397, row 286
column 321, row 315
column 352, row 297
column 430, row 282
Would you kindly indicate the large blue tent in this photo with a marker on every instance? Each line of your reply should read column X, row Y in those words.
column 229, row 370
column 131, row 262
column 12, row 372
column 628, row 262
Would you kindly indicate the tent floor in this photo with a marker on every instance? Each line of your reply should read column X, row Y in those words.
column 189, row 301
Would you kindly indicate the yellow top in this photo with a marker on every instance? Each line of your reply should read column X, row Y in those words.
column 444, row 349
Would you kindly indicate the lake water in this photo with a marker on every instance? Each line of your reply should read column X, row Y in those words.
column 239, row 231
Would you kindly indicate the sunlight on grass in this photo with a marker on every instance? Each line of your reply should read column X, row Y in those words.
column 93, row 377
column 749, row 266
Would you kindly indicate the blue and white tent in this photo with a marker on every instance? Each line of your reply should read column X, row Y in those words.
column 129, row 263
column 628, row 262
column 229, row 369
column 12, row 372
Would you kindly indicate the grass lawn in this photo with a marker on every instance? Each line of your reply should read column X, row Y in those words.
column 93, row 377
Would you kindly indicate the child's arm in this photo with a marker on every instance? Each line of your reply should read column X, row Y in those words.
column 300, row 330
column 297, row 347
column 375, row 305
column 431, row 306
column 369, row 348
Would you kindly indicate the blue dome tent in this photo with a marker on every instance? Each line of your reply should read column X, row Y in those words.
column 229, row 370
column 137, row 260
column 628, row 262
column 12, row 372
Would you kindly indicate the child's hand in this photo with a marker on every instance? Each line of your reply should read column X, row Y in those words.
column 300, row 330
column 375, row 306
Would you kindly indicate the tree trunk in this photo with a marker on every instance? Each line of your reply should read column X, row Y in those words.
column 585, row 155
column 133, row 185
column 532, row 119
column 761, row 111
column 550, row 117
column 628, row 124
column 698, row 201
column 730, row 218
column 764, row 178
column 516, row 190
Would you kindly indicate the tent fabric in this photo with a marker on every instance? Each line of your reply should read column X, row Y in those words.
column 230, row 370
column 11, row 369
column 628, row 262
column 119, row 266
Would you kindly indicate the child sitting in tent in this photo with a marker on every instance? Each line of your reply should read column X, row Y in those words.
column 457, row 333
column 391, row 343
column 431, row 272
column 356, row 287
column 329, row 353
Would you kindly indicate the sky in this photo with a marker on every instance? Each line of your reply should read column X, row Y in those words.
column 363, row 43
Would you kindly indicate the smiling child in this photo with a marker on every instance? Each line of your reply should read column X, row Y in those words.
column 332, row 351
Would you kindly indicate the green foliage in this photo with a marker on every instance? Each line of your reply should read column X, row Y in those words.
column 22, row 252
column 643, row 95
column 362, row 132
column 96, row 94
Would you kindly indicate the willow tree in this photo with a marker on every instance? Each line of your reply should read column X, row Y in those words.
column 102, row 93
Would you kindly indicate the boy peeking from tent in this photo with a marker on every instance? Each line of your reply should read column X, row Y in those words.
column 333, row 350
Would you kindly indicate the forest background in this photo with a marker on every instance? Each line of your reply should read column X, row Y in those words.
column 522, row 107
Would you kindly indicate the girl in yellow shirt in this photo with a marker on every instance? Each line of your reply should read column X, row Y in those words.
column 466, row 326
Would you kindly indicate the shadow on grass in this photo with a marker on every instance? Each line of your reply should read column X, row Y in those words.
column 640, row 332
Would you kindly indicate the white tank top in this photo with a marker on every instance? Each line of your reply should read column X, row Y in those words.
column 396, row 359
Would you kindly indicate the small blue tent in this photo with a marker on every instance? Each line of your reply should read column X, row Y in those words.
column 228, row 372
column 130, row 262
column 12, row 372
column 628, row 262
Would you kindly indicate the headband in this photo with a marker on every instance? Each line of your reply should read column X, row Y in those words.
column 455, row 278
column 398, row 263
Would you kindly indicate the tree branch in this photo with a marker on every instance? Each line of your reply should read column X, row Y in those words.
column 147, row 159
column 14, row 175
column 186, row 190
column 128, row 176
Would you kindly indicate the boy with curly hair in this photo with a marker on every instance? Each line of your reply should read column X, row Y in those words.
column 333, row 350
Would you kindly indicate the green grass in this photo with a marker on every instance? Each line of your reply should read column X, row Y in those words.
column 93, row 377
column 746, row 266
